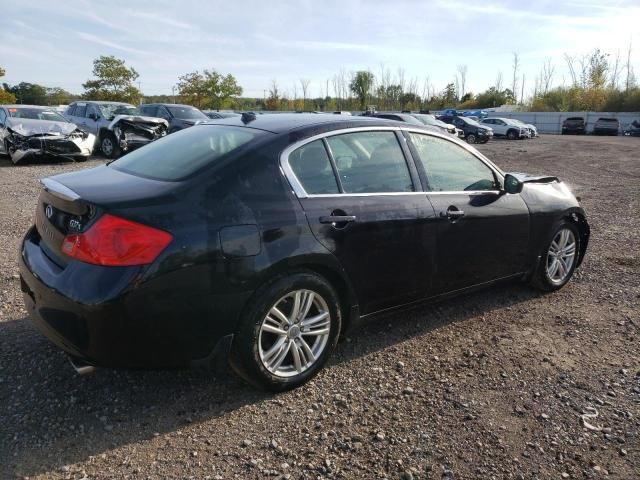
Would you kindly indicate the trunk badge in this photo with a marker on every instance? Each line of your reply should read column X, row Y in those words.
column 48, row 211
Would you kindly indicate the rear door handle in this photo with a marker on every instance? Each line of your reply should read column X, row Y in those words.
column 338, row 219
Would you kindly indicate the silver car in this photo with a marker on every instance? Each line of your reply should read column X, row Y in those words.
column 30, row 131
column 118, row 127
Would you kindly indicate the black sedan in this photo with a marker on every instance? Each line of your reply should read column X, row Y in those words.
column 178, row 116
column 260, row 240
column 474, row 132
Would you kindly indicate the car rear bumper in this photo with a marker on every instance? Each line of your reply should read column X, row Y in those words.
column 120, row 326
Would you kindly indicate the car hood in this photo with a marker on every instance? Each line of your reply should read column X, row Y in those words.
column 139, row 119
column 29, row 127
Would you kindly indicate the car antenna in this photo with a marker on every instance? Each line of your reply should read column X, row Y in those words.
column 248, row 117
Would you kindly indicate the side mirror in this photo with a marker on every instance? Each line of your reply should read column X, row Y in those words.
column 93, row 116
column 512, row 184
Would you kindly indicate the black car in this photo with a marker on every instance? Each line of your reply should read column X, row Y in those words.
column 606, row 126
column 262, row 239
column 178, row 116
column 400, row 117
column 574, row 125
column 473, row 131
column 214, row 114
column 633, row 129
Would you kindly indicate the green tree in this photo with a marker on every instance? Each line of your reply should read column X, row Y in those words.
column 30, row 93
column 114, row 81
column 208, row 89
column 59, row 96
column 5, row 96
column 360, row 85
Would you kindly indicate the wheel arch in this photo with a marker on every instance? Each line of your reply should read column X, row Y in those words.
column 580, row 221
column 327, row 268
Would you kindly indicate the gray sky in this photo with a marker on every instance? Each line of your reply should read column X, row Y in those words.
column 54, row 43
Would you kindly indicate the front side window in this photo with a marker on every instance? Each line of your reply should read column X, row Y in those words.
column 370, row 162
column 451, row 168
column 312, row 167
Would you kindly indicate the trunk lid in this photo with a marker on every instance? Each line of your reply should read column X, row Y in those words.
column 71, row 202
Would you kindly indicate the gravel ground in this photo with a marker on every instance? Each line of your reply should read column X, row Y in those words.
column 491, row 385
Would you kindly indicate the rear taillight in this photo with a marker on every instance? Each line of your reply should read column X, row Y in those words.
column 116, row 242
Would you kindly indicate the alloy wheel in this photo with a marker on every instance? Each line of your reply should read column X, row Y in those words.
column 561, row 256
column 107, row 146
column 294, row 333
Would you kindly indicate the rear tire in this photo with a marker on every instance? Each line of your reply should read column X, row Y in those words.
column 280, row 344
column 559, row 258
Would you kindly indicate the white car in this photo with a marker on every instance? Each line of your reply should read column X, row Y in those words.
column 533, row 130
column 507, row 127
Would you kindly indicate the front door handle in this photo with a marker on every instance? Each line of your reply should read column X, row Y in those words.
column 336, row 219
column 452, row 213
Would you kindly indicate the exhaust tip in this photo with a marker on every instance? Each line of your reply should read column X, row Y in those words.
column 80, row 366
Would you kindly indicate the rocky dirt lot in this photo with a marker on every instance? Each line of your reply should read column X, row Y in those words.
column 491, row 385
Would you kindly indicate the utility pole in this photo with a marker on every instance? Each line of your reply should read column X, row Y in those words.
column 173, row 93
column 140, row 90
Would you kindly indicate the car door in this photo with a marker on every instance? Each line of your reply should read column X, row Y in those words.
column 3, row 130
column 78, row 116
column 362, row 201
column 92, row 118
column 483, row 233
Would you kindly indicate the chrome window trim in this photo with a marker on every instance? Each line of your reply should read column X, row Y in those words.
column 300, row 192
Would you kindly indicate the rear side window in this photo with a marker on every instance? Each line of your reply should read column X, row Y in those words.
column 80, row 110
column 183, row 153
column 70, row 110
column 370, row 162
column 451, row 168
column 312, row 167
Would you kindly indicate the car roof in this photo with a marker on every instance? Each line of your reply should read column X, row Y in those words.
column 105, row 102
column 42, row 107
column 167, row 105
column 285, row 122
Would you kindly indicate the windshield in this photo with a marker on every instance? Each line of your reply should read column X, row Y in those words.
column 469, row 121
column 183, row 153
column 187, row 113
column 110, row 110
column 36, row 114
column 428, row 119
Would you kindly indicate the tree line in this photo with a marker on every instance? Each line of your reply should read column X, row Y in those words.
column 597, row 81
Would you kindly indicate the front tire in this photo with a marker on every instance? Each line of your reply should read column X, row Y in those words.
column 471, row 138
column 109, row 146
column 559, row 258
column 512, row 135
column 287, row 332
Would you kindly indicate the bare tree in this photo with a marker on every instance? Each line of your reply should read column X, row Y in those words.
column 304, row 83
column 615, row 72
column 461, row 80
column 546, row 75
column 630, row 76
column 514, row 82
column 498, row 84
column 572, row 70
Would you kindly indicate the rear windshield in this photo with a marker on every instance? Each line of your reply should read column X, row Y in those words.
column 187, row 113
column 607, row 120
column 575, row 119
column 185, row 152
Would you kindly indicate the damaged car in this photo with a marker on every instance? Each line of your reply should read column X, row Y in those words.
column 28, row 131
column 118, row 127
